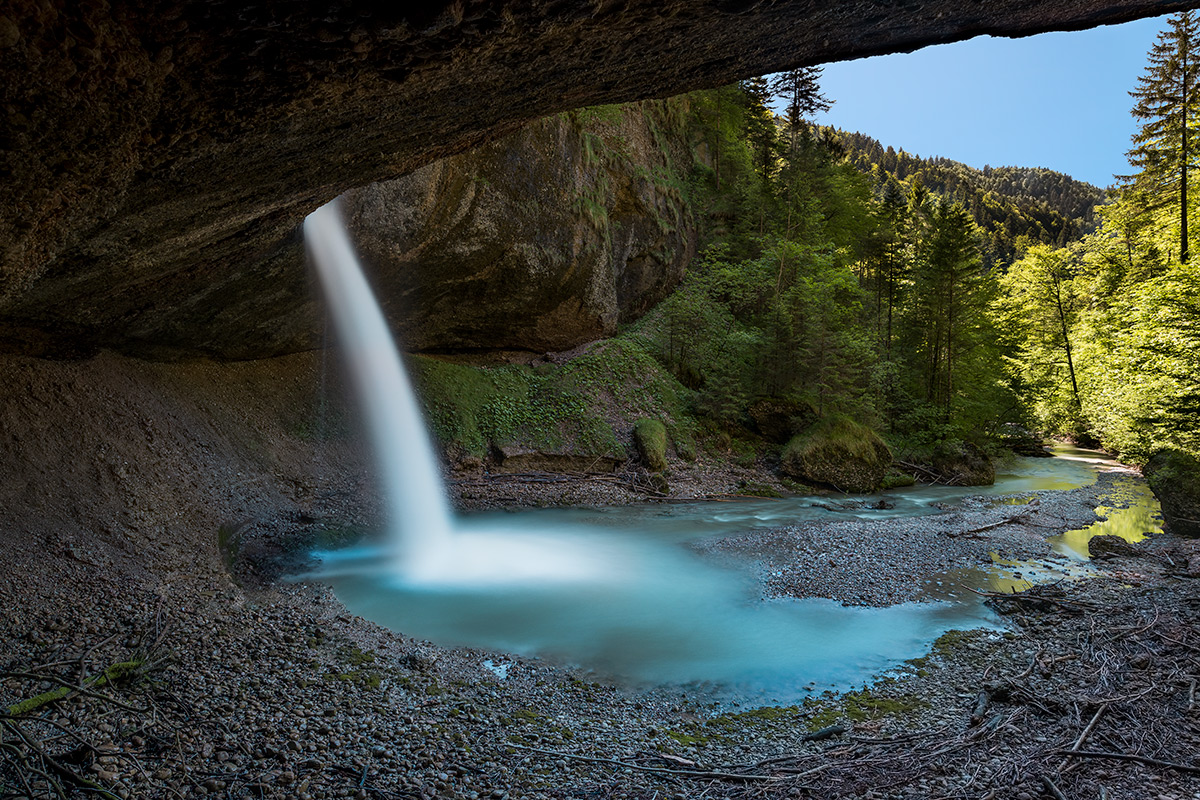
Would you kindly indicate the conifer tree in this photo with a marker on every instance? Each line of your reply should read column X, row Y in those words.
column 760, row 126
column 801, row 89
column 1165, row 146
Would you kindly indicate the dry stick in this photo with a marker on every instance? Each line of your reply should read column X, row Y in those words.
column 1054, row 790
column 1083, row 736
column 1154, row 762
column 1015, row 518
column 725, row 776
column 72, row 776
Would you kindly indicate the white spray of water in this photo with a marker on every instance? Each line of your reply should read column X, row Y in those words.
column 425, row 546
column 416, row 503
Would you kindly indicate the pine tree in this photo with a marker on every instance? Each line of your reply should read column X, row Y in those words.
column 1165, row 146
column 801, row 89
column 760, row 126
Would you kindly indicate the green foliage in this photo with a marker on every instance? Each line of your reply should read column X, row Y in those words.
column 473, row 409
column 1014, row 207
column 1165, row 145
column 1105, row 334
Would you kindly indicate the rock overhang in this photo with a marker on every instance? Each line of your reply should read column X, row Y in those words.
column 158, row 157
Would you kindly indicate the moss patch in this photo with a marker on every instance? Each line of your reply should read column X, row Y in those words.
column 650, row 436
column 574, row 408
column 858, row 707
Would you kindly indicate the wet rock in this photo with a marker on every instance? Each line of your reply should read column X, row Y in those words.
column 1174, row 477
column 517, row 458
column 541, row 241
column 1109, row 546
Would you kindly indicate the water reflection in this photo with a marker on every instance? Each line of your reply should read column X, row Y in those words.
column 1140, row 518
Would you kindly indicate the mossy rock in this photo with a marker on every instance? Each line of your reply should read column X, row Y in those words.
column 963, row 464
column 895, row 479
column 650, row 436
column 1174, row 477
column 838, row 452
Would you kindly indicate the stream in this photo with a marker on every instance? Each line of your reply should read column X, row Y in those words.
column 631, row 602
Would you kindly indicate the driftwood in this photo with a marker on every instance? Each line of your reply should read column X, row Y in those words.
column 688, row 773
column 1035, row 596
column 111, row 673
column 928, row 474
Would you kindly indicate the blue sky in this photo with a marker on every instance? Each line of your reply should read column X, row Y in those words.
column 1058, row 100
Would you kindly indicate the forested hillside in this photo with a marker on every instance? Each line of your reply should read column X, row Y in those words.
column 1016, row 206
column 1107, row 330
column 814, row 290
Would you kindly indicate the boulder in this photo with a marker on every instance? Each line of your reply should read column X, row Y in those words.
column 1174, row 477
column 650, row 436
column 840, row 453
column 963, row 464
column 1109, row 546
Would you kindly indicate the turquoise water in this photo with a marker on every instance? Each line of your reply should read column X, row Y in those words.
column 614, row 591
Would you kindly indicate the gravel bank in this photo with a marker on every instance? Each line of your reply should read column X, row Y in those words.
column 273, row 690
column 887, row 561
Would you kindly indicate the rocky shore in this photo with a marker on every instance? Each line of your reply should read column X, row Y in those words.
column 265, row 688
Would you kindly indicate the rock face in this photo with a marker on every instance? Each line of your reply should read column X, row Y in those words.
column 158, row 157
column 1174, row 477
column 840, row 453
column 541, row 241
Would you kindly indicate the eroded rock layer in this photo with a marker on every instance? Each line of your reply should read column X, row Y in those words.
column 158, row 157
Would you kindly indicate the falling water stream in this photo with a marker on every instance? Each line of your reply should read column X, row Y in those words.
column 616, row 590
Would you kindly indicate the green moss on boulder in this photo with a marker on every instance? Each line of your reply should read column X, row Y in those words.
column 650, row 436
column 838, row 452
column 1174, row 477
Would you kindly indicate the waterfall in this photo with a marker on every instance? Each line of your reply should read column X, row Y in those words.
column 425, row 545
column 418, row 513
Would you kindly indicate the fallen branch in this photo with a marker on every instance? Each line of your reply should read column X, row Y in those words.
column 1052, row 789
column 1015, row 518
column 1083, row 736
column 929, row 474
column 687, row 773
column 111, row 673
column 1154, row 762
